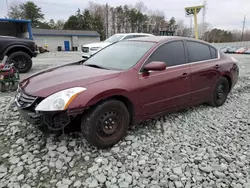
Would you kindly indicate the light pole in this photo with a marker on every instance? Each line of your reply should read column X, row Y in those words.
column 194, row 11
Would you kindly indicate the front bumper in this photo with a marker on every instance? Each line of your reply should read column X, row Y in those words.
column 31, row 117
column 54, row 121
column 34, row 54
column 89, row 54
column 86, row 56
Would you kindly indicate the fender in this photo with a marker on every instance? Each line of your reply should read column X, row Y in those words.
column 86, row 100
column 107, row 94
column 16, row 46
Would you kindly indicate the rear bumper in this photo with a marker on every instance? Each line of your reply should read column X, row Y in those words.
column 236, row 73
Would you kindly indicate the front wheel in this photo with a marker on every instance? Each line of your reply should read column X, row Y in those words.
column 106, row 124
column 22, row 61
column 220, row 92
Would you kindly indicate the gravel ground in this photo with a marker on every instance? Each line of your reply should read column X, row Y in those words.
column 199, row 147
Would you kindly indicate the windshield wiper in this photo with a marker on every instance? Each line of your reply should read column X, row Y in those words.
column 96, row 66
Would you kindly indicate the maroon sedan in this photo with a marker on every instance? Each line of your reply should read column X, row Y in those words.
column 127, row 82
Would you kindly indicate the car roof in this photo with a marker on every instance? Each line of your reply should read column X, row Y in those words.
column 127, row 34
column 158, row 39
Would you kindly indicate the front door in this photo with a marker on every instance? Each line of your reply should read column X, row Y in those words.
column 164, row 90
column 66, row 46
column 204, row 67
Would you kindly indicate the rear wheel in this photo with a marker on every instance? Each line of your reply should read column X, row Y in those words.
column 220, row 92
column 106, row 124
column 22, row 61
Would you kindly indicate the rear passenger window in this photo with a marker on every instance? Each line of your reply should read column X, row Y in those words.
column 171, row 53
column 135, row 36
column 128, row 37
column 198, row 51
column 213, row 53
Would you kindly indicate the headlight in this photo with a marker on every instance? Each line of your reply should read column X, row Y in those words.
column 94, row 48
column 60, row 100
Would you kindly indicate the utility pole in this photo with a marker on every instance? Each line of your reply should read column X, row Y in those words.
column 191, row 27
column 243, row 28
column 7, row 6
column 107, row 20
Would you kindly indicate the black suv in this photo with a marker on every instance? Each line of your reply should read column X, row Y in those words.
column 18, row 50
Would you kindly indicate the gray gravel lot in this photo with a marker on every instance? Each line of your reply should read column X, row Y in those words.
column 199, row 147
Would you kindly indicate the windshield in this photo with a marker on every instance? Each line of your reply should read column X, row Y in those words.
column 114, row 38
column 120, row 56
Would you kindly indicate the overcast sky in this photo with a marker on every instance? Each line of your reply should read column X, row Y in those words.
column 224, row 14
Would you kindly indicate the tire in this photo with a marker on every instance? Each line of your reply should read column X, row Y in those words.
column 23, row 61
column 220, row 92
column 3, row 87
column 101, row 126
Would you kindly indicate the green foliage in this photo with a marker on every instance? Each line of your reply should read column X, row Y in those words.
column 29, row 11
column 98, row 25
column 43, row 25
column 71, row 23
column 80, row 21
column 120, row 19
column 218, row 35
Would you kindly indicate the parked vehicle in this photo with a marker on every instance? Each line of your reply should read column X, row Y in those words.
column 240, row 50
column 19, row 50
column 247, row 51
column 225, row 49
column 232, row 50
column 90, row 49
column 148, row 76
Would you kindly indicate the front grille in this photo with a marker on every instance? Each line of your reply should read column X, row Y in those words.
column 24, row 100
column 85, row 49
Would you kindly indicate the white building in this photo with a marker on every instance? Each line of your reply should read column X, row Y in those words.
column 66, row 39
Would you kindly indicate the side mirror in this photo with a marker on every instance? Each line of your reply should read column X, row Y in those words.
column 155, row 66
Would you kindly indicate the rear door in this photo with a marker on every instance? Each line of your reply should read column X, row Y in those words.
column 204, row 65
column 164, row 90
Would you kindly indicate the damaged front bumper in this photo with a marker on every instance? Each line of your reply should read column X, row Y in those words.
column 31, row 117
column 45, row 121
column 53, row 122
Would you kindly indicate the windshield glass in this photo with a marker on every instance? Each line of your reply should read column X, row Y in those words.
column 114, row 38
column 120, row 56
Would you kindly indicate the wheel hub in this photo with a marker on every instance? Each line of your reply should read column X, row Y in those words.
column 20, row 63
column 220, row 91
column 108, row 123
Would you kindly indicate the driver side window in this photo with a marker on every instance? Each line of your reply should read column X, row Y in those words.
column 171, row 53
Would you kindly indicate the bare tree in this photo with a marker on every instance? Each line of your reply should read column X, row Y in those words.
column 180, row 28
column 140, row 6
column 156, row 21
column 247, row 35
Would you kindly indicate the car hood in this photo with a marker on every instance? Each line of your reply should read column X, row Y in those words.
column 56, row 79
column 97, row 45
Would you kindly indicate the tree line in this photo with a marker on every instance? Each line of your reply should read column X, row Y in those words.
column 108, row 20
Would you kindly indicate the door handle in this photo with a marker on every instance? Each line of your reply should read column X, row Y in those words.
column 217, row 66
column 184, row 75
